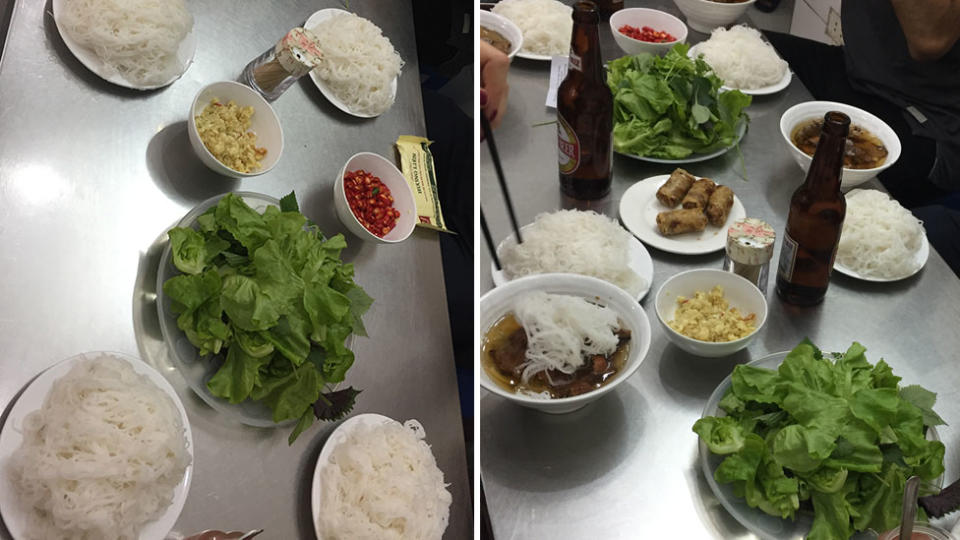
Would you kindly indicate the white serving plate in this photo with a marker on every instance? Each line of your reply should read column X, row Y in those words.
column 763, row 90
column 32, row 399
column 338, row 436
column 315, row 19
column 640, row 262
column 540, row 57
column 694, row 158
column 638, row 212
column 188, row 47
column 919, row 258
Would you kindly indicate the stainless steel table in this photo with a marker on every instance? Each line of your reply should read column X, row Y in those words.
column 91, row 177
column 626, row 466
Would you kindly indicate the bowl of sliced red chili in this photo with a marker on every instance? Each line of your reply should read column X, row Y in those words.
column 373, row 199
column 642, row 30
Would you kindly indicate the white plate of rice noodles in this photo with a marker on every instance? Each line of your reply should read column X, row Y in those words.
column 139, row 44
column 546, row 26
column 378, row 478
column 881, row 241
column 96, row 447
column 577, row 242
column 359, row 69
column 744, row 61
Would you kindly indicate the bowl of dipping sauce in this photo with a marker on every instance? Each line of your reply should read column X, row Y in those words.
column 642, row 30
column 500, row 32
column 710, row 313
column 872, row 145
column 373, row 199
column 234, row 131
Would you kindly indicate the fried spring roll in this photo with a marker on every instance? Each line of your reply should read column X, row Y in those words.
column 719, row 205
column 674, row 189
column 699, row 194
column 681, row 221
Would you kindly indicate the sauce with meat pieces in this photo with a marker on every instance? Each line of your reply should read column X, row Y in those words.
column 863, row 149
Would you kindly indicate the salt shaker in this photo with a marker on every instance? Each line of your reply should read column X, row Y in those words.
column 749, row 250
column 280, row 66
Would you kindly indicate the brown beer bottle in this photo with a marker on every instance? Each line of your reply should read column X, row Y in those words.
column 817, row 209
column 585, row 113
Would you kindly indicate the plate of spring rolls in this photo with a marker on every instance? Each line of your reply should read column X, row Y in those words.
column 680, row 213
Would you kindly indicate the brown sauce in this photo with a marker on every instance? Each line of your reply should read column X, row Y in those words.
column 504, row 348
column 863, row 149
column 496, row 39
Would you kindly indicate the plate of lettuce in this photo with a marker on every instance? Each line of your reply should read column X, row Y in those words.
column 805, row 444
column 671, row 109
column 259, row 311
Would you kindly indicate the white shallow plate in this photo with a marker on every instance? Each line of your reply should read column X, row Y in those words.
column 315, row 19
column 693, row 158
column 92, row 62
column 638, row 212
column 530, row 56
column 338, row 436
column 919, row 259
column 32, row 398
column 763, row 90
column 640, row 262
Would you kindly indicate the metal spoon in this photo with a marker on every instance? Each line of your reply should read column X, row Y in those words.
column 909, row 514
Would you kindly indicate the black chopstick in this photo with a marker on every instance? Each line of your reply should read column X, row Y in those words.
column 490, row 246
column 488, row 135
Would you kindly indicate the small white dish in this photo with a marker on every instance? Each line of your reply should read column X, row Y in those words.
column 315, row 19
column 499, row 301
column 338, row 436
column 11, row 436
column 640, row 17
column 188, row 47
column 810, row 110
column 739, row 292
column 639, row 207
column 693, row 158
column 391, row 177
column 505, row 27
column 640, row 262
column 763, row 90
column 264, row 123
column 919, row 259
column 705, row 15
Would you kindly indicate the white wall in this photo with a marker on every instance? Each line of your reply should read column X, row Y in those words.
column 818, row 20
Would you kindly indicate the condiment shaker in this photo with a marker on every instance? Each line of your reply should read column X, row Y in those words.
column 280, row 66
column 749, row 250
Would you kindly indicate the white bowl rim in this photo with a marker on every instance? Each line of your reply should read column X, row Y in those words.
column 700, row 342
column 680, row 39
column 713, row 3
column 514, row 47
column 257, row 96
column 587, row 397
column 343, row 172
column 812, row 104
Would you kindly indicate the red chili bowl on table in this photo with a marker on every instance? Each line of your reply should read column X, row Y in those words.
column 642, row 30
column 373, row 199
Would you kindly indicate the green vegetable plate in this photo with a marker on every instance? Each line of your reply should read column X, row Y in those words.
column 771, row 489
column 694, row 158
column 259, row 312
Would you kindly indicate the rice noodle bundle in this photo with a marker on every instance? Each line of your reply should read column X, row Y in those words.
column 742, row 58
column 137, row 39
column 880, row 238
column 546, row 25
column 101, row 457
column 359, row 63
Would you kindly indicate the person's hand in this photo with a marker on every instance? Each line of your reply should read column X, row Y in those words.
column 494, row 89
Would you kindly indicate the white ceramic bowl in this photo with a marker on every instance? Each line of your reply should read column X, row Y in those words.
column 640, row 17
column 816, row 109
column 705, row 15
column 264, row 123
column 402, row 197
column 498, row 302
column 505, row 27
column 739, row 292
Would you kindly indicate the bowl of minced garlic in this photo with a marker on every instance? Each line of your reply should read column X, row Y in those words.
column 234, row 131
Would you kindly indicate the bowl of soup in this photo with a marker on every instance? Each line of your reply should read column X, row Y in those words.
column 500, row 32
column 871, row 147
column 556, row 342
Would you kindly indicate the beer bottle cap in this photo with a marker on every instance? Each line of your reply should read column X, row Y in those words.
column 750, row 241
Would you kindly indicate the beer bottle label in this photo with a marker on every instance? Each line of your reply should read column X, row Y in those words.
column 788, row 257
column 568, row 146
column 574, row 61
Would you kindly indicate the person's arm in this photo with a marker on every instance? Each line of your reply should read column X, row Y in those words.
column 931, row 27
column 494, row 66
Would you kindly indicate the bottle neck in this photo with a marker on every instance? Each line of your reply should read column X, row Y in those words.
column 585, row 50
column 826, row 169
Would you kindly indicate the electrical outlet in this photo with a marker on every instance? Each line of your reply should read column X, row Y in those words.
column 834, row 30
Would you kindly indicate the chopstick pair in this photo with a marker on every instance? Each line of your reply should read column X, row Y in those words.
column 488, row 135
